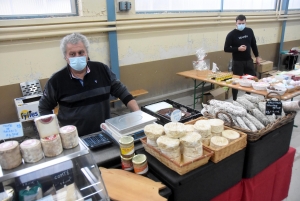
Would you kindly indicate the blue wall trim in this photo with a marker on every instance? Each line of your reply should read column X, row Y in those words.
column 113, row 39
column 285, row 7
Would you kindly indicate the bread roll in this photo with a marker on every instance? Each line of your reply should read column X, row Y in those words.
column 52, row 145
column 217, row 142
column 192, row 139
column 203, row 127
column 230, row 135
column 175, row 129
column 10, row 155
column 217, row 125
column 31, row 150
column 153, row 131
column 69, row 136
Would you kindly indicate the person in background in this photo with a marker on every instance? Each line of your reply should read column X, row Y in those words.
column 239, row 42
column 82, row 88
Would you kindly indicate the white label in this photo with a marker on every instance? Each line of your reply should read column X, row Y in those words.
column 11, row 130
column 175, row 115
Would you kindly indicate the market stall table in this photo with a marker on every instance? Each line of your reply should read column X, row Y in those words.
column 202, row 76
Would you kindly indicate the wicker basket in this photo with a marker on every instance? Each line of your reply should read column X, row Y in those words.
column 231, row 148
column 182, row 168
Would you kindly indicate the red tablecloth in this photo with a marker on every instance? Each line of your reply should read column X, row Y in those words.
column 272, row 184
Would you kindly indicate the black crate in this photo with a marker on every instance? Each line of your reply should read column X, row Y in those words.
column 265, row 151
column 202, row 183
column 163, row 120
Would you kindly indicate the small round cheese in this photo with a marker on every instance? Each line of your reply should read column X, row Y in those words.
column 193, row 151
column 189, row 128
column 174, row 155
column 167, row 143
column 10, row 155
column 175, row 129
column 152, row 143
column 52, row 145
column 31, row 150
column 230, row 135
column 153, row 131
column 216, row 134
column 217, row 125
column 69, row 136
column 217, row 142
column 203, row 127
column 191, row 140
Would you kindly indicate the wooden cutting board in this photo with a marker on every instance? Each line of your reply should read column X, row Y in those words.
column 127, row 186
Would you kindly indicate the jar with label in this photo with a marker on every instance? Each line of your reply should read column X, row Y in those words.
column 126, row 163
column 126, row 146
column 140, row 164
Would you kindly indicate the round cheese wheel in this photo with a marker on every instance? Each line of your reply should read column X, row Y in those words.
column 217, row 142
column 31, row 150
column 52, row 145
column 47, row 125
column 216, row 134
column 203, row 127
column 10, row 155
column 193, row 152
column 230, row 135
column 69, row 136
column 187, row 159
column 175, row 129
column 152, row 142
column 168, row 144
column 153, row 131
column 217, row 125
column 189, row 128
column 174, row 155
column 192, row 139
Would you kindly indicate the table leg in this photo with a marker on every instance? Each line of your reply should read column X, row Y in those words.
column 195, row 90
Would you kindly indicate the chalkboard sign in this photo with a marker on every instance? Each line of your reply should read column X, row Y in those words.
column 63, row 178
column 273, row 107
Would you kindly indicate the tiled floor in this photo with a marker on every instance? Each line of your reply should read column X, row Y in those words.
column 294, row 191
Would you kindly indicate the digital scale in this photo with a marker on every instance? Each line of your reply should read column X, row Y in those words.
column 131, row 124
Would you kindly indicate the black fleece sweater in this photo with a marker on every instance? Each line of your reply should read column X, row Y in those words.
column 84, row 106
column 235, row 39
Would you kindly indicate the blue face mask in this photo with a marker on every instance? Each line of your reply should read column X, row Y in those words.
column 78, row 63
column 241, row 27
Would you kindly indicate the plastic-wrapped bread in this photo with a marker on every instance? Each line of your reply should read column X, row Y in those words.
column 189, row 128
column 31, row 150
column 69, row 136
column 191, row 140
column 47, row 125
column 249, row 124
column 217, row 142
column 174, row 129
column 231, row 135
column 203, row 128
column 217, row 125
column 52, row 145
column 10, row 155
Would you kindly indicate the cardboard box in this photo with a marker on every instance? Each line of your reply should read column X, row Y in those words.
column 264, row 65
column 218, row 94
column 269, row 73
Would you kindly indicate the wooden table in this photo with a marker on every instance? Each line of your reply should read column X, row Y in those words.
column 202, row 77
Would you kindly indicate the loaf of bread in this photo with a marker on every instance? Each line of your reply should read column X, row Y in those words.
column 69, row 136
column 175, row 129
column 217, row 125
column 52, row 145
column 230, row 135
column 10, row 155
column 31, row 150
column 47, row 125
column 217, row 142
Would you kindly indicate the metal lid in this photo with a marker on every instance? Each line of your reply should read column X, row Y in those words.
column 126, row 140
column 139, row 159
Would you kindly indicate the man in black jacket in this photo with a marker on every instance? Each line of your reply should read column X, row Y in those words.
column 82, row 89
column 239, row 42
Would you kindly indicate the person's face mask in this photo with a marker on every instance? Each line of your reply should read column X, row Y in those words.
column 241, row 27
column 78, row 63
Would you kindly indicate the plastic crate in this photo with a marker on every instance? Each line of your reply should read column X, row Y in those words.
column 163, row 120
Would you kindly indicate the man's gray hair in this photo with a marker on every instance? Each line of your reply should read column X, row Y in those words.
column 73, row 38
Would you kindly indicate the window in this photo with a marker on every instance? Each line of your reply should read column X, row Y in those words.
column 294, row 4
column 249, row 5
column 37, row 8
column 176, row 5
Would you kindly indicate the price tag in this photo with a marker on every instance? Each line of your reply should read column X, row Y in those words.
column 63, row 178
column 176, row 115
column 11, row 130
column 273, row 107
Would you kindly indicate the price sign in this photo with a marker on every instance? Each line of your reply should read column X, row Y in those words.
column 63, row 178
column 176, row 115
column 11, row 130
column 273, row 107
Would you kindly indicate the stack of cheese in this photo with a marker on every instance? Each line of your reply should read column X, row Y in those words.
column 191, row 146
column 153, row 131
column 204, row 129
column 10, row 155
column 48, row 129
column 170, row 147
column 69, row 136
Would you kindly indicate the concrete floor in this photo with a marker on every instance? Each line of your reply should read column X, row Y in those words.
column 294, row 191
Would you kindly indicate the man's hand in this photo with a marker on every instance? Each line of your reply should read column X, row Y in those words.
column 242, row 48
column 257, row 60
column 133, row 106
